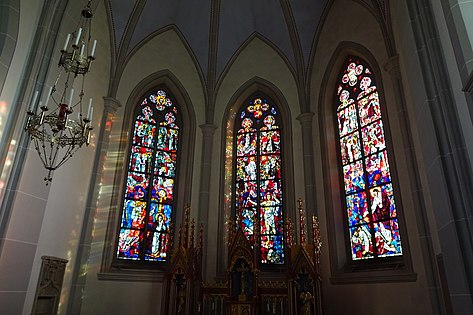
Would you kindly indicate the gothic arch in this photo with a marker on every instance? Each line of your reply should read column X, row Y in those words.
column 251, row 87
column 9, row 25
column 340, row 261
column 166, row 80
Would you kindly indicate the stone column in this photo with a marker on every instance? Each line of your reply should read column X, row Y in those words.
column 208, row 131
column 305, row 120
column 449, row 172
column 79, row 273
column 425, row 237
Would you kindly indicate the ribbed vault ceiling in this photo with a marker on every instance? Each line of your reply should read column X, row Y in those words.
column 214, row 30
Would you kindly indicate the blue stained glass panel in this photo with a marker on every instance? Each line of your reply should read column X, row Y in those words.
column 377, row 167
column 137, row 186
column 246, row 194
column 361, row 243
column 144, row 134
column 388, row 242
column 353, row 177
column 271, row 220
column 382, row 202
column 351, row 148
column 247, row 220
column 369, row 109
column 140, row 159
column 146, row 115
column 373, row 138
column 271, row 194
column 159, row 214
column 246, row 168
column 162, row 190
column 246, row 144
column 357, row 209
column 270, row 167
column 272, row 249
column 270, row 142
column 134, row 213
column 158, row 245
column 167, row 139
column 129, row 244
column 165, row 164
column 347, row 122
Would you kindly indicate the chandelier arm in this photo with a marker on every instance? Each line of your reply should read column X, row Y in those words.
column 36, row 142
column 43, row 147
column 55, row 134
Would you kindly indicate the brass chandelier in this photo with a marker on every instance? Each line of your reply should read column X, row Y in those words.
column 61, row 127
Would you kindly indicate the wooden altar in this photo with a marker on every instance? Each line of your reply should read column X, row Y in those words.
column 292, row 288
column 251, row 288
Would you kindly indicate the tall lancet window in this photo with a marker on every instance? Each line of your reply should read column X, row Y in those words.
column 149, row 196
column 258, row 178
column 369, row 194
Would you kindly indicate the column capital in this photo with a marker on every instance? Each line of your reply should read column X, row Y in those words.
column 392, row 66
column 208, row 129
column 110, row 104
column 305, row 118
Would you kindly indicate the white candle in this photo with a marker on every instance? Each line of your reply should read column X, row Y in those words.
column 70, row 98
column 79, row 33
column 33, row 102
column 94, row 45
column 91, row 114
column 82, row 51
column 68, row 38
column 89, row 108
column 48, row 96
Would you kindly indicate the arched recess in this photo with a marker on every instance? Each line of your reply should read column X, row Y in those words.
column 248, row 89
column 160, row 80
column 343, row 268
column 9, row 25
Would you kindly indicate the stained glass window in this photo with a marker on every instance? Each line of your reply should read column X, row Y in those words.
column 369, row 194
column 150, row 183
column 258, row 178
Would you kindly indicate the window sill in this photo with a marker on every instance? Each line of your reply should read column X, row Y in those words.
column 132, row 275
column 374, row 276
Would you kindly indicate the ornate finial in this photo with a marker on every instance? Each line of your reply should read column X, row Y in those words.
column 192, row 234
column 256, row 231
column 289, row 233
column 316, row 235
column 180, row 236
column 231, row 227
column 171, row 235
column 186, row 225
column 301, row 221
column 201, row 239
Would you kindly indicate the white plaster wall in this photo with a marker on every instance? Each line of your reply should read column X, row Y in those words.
column 29, row 16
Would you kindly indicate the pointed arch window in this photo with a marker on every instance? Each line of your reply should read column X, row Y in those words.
column 258, row 177
column 366, row 177
column 149, row 196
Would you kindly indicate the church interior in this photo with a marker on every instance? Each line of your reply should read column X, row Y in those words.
column 236, row 157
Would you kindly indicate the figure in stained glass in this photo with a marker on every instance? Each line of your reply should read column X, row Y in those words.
column 371, row 211
column 149, row 193
column 258, row 177
column 144, row 134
